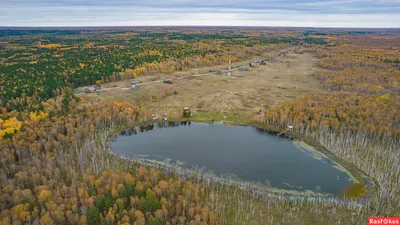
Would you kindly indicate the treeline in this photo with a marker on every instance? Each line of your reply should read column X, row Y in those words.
column 335, row 32
column 55, row 167
column 358, row 119
column 55, row 170
column 12, row 32
column 364, row 93
column 37, row 64
column 372, row 116
column 180, row 64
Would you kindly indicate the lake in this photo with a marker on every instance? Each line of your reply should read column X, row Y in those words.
column 248, row 153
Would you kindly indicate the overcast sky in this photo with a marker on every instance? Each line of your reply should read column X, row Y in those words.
column 309, row 13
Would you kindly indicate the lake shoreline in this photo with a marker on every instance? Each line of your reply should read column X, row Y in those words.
column 366, row 182
column 369, row 184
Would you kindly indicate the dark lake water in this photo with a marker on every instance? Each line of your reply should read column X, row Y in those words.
column 247, row 152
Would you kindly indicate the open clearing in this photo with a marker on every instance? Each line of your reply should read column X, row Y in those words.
column 244, row 92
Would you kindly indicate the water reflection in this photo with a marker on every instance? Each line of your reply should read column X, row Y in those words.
column 233, row 153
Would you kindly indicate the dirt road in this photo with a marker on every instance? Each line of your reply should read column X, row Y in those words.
column 124, row 88
column 242, row 63
column 245, row 92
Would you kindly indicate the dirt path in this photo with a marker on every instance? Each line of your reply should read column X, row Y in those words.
column 286, row 76
column 238, row 64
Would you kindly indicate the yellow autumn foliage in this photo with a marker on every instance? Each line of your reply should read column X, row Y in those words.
column 384, row 98
column 129, row 179
column 9, row 126
column 114, row 193
column 46, row 220
column 38, row 116
column 139, row 70
column 20, row 212
column 129, row 110
column 117, row 105
column 49, row 46
column 44, row 195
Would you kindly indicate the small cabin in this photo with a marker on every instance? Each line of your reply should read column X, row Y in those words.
column 94, row 88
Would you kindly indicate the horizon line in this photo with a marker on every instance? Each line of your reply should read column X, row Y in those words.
column 199, row 26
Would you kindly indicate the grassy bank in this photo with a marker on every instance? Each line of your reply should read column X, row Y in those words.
column 361, row 188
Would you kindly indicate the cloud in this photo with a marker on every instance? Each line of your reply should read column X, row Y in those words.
column 321, row 13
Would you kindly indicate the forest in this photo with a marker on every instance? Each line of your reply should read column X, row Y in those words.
column 40, row 64
column 56, row 167
column 359, row 118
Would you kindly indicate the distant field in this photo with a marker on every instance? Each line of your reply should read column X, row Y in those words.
column 39, row 63
column 244, row 91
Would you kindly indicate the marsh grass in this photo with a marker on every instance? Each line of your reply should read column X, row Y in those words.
column 232, row 179
column 237, row 202
column 354, row 191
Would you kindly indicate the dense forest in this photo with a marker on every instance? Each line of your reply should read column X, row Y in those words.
column 56, row 167
column 359, row 118
column 40, row 64
column 54, row 173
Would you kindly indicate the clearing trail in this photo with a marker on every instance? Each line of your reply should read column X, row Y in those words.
column 285, row 76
